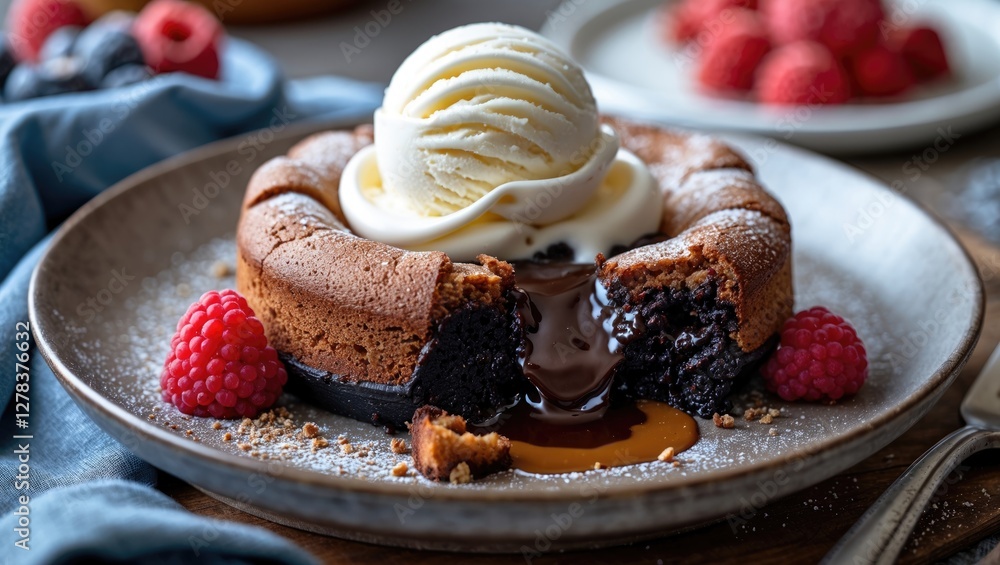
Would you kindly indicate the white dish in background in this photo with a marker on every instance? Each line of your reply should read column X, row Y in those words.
column 634, row 72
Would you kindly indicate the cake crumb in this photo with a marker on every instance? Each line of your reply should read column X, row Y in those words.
column 227, row 437
column 398, row 446
column 772, row 432
column 751, row 414
column 216, row 425
column 667, row 455
column 189, row 432
column 342, row 440
column 151, row 417
column 460, row 474
column 401, row 468
column 725, row 421
column 676, row 464
column 766, row 419
column 773, row 412
column 319, row 443
column 243, row 446
column 346, row 448
column 221, row 270
column 310, row 430
column 598, row 466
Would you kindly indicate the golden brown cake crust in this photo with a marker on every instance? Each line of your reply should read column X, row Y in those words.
column 344, row 304
column 720, row 220
column 441, row 444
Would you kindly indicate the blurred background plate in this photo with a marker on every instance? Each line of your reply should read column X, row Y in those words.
column 633, row 71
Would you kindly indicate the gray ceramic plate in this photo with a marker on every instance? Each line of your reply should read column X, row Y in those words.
column 106, row 296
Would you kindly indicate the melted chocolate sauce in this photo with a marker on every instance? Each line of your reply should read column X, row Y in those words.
column 574, row 341
column 574, row 344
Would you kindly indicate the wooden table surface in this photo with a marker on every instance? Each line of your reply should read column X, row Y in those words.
column 804, row 526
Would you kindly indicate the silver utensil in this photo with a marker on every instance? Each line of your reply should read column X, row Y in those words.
column 879, row 535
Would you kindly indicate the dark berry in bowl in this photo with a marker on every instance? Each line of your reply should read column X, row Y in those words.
column 60, row 43
column 56, row 76
column 115, row 50
column 126, row 75
column 7, row 60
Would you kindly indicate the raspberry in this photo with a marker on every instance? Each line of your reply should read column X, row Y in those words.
column 731, row 58
column 843, row 26
column 922, row 49
column 820, row 357
column 880, row 71
column 685, row 20
column 30, row 22
column 802, row 73
column 179, row 36
column 220, row 364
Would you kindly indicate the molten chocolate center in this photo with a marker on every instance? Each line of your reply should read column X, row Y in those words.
column 574, row 340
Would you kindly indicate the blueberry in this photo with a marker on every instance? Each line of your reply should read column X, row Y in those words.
column 59, row 43
column 7, row 61
column 126, row 75
column 114, row 50
column 55, row 76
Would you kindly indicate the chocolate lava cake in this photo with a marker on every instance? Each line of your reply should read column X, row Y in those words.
column 374, row 332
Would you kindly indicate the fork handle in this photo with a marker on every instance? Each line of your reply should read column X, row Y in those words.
column 878, row 537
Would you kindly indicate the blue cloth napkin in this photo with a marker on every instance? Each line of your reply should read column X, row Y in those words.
column 55, row 154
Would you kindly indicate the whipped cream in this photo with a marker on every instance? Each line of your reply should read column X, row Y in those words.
column 488, row 141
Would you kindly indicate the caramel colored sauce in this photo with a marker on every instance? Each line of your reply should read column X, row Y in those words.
column 626, row 435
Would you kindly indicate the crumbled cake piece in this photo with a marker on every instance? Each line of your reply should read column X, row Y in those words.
column 598, row 466
column 460, row 474
column 216, row 425
column 766, row 419
column 310, row 430
column 441, row 444
column 398, row 446
column 725, row 421
column 401, row 469
column 772, row 432
column 346, row 448
column 319, row 443
column 667, row 455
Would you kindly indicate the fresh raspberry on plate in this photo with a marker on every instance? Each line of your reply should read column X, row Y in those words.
column 30, row 22
column 880, row 71
column 820, row 357
column 803, row 72
column 683, row 21
column 179, row 36
column 923, row 50
column 843, row 26
column 220, row 364
column 731, row 58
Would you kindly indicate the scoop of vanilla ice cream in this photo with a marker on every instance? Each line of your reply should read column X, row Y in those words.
column 476, row 107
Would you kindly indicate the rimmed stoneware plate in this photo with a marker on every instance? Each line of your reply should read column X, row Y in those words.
column 119, row 274
column 633, row 71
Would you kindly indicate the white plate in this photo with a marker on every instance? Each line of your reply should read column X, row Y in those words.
column 634, row 72
column 898, row 275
